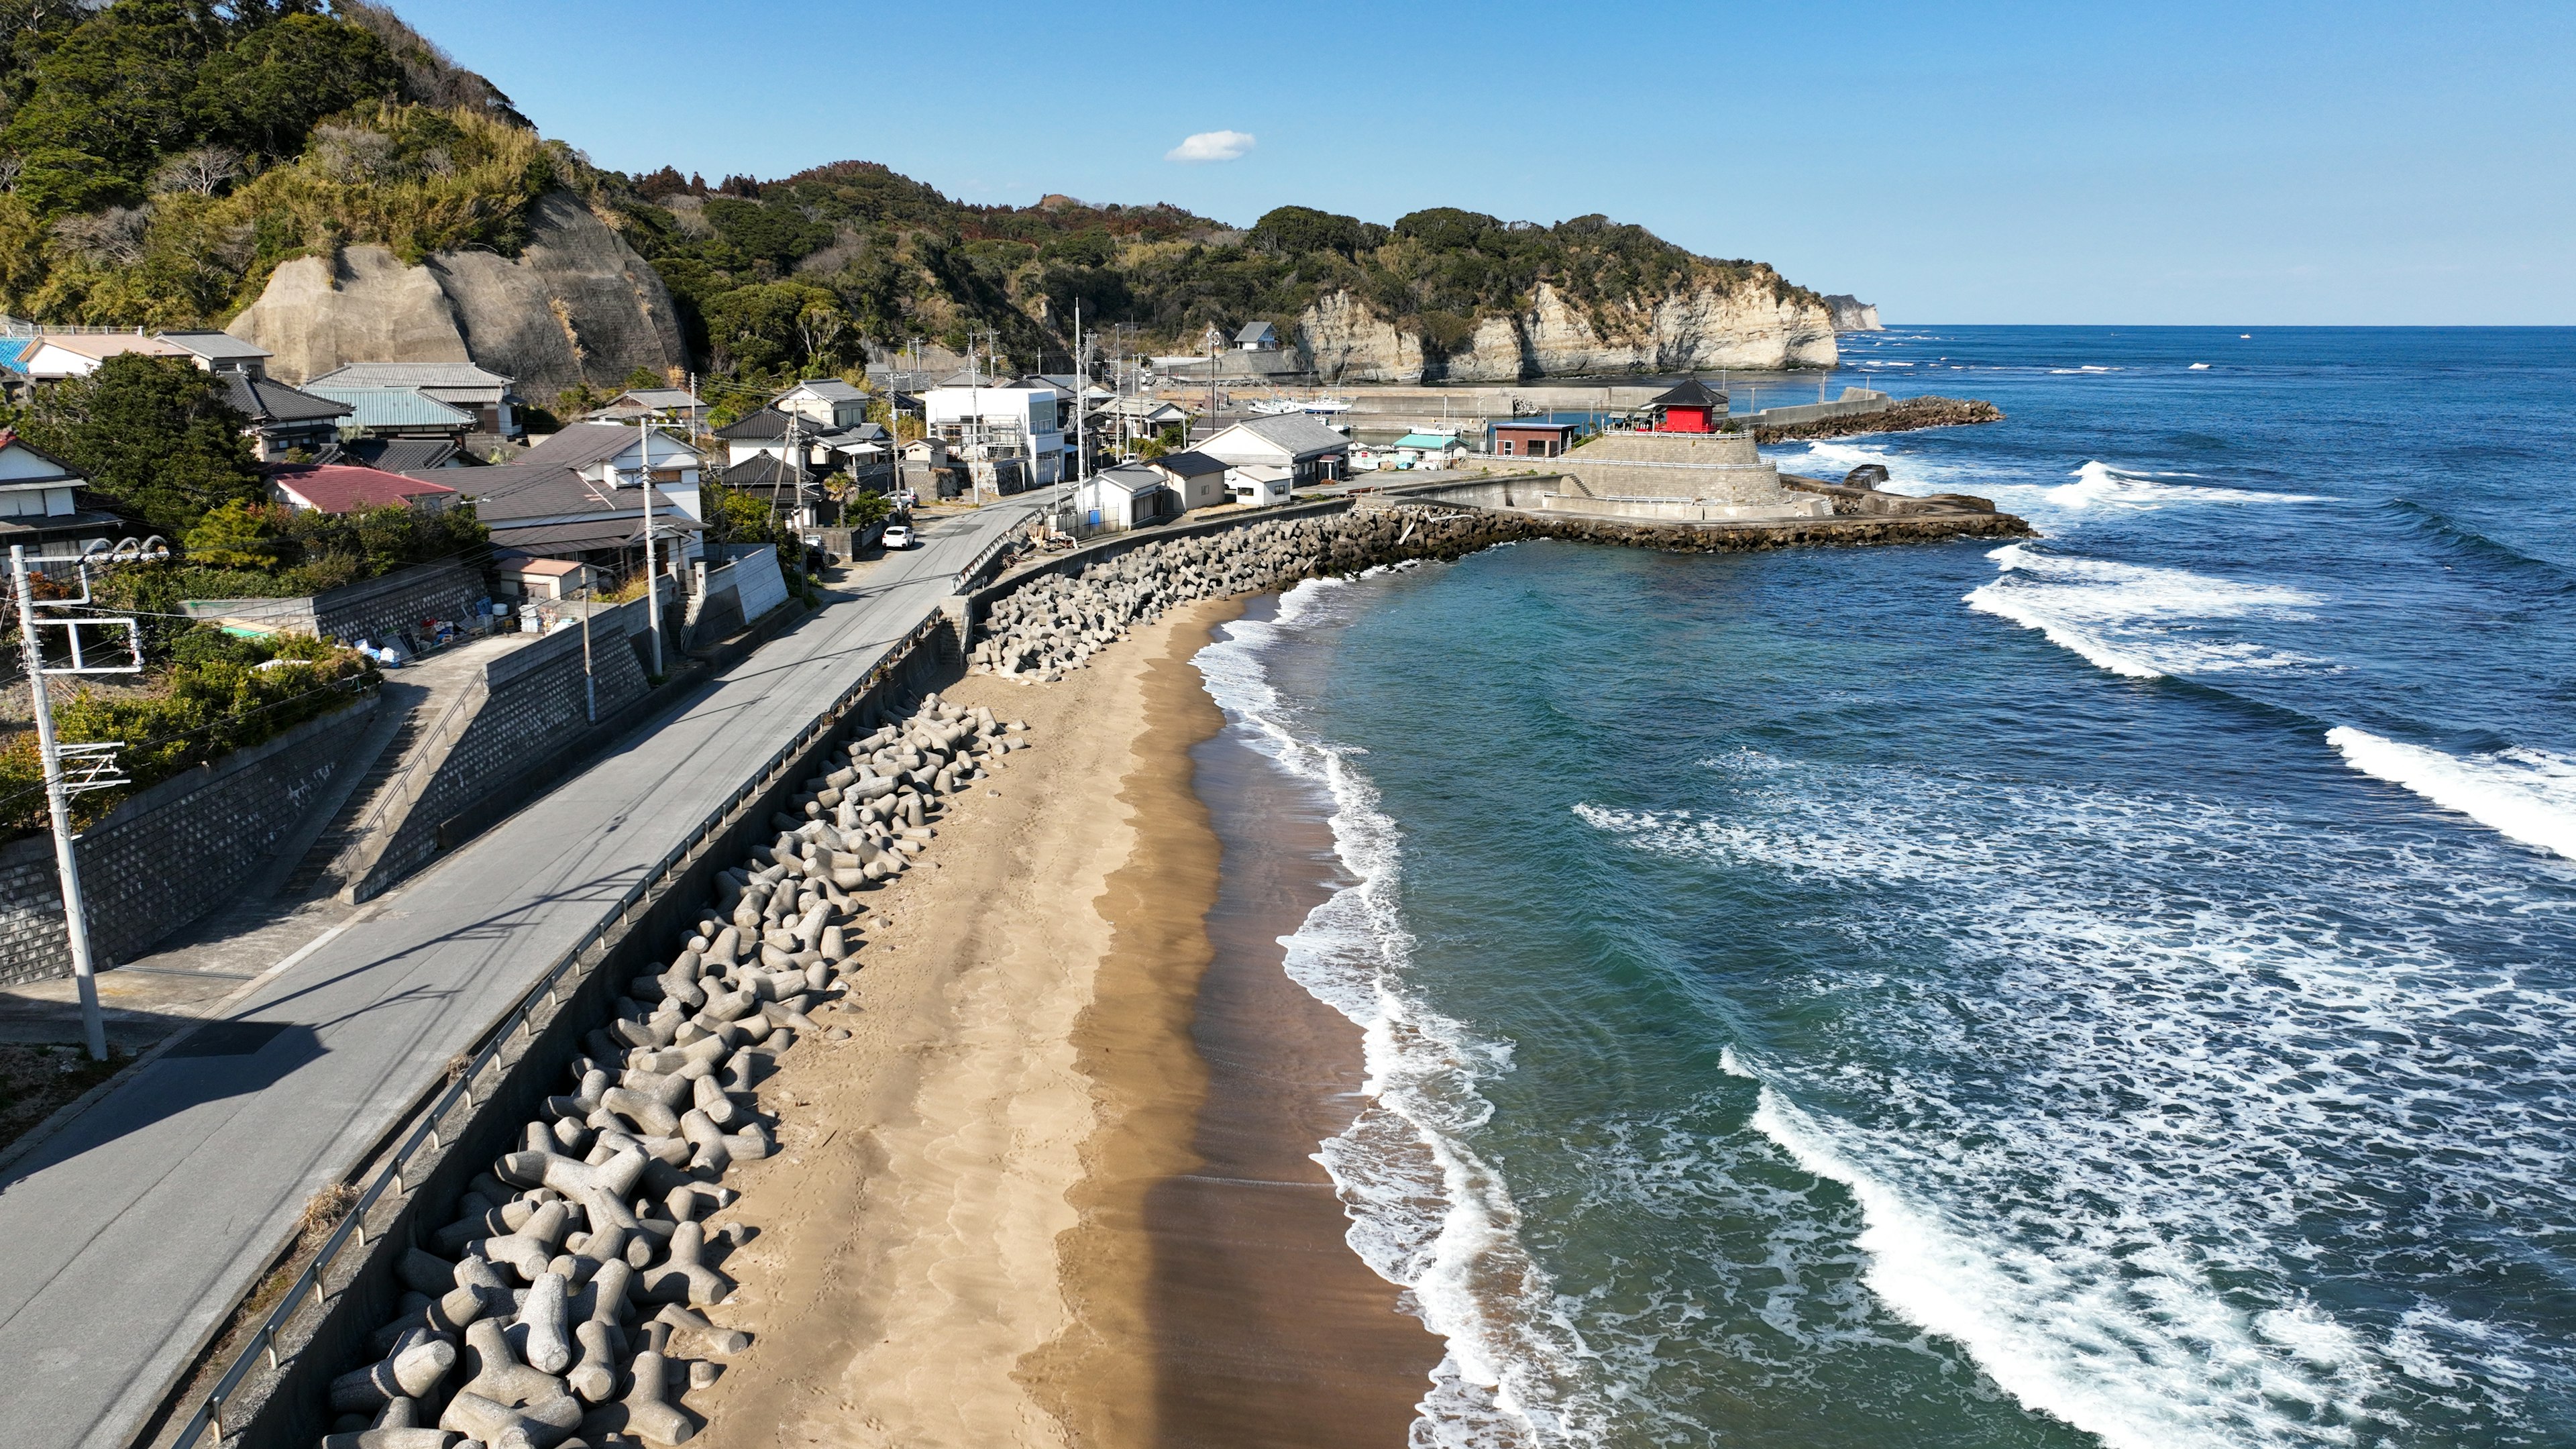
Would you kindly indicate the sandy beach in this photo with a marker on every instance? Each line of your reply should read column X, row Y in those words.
column 1019, row 1206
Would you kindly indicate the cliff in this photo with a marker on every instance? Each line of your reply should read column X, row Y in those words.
column 1750, row 326
column 1851, row 314
column 577, row 305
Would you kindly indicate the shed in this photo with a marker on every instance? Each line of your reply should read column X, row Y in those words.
column 1122, row 497
column 543, row 578
column 1428, row 450
column 1532, row 438
column 1689, row 408
column 1196, row 480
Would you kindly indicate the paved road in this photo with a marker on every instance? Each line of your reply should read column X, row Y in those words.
column 136, row 1228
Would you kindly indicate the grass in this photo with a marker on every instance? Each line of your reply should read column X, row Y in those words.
column 35, row 1081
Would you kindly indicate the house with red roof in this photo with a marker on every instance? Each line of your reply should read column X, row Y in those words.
column 346, row 488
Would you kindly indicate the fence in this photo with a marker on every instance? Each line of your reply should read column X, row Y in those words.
column 519, row 1023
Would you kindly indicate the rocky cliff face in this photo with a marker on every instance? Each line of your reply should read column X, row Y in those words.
column 1851, row 314
column 1698, row 331
column 577, row 305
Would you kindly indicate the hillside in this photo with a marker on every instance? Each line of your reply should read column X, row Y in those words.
column 323, row 179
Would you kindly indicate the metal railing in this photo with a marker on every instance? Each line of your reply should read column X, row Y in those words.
column 519, row 1023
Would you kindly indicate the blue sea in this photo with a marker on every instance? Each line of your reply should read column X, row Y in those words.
column 2116, row 988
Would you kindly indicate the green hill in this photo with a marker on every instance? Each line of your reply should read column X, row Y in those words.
column 161, row 158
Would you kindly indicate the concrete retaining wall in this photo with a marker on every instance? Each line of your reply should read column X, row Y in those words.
column 170, row 853
column 534, row 707
column 376, row 610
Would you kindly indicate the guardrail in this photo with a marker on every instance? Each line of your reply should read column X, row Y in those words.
column 519, row 1021
column 984, row 557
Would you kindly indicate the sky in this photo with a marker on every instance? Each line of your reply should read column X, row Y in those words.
column 2176, row 163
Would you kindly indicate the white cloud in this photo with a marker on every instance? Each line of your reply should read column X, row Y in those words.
column 1211, row 146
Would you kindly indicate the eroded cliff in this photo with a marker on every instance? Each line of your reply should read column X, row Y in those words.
column 576, row 305
column 1749, row 326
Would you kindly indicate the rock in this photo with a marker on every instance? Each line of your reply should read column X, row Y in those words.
column 577, row 305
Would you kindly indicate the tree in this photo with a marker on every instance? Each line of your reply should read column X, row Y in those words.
column 199, row 171
column 237, row 535
column 267, row 89
column 157, row 439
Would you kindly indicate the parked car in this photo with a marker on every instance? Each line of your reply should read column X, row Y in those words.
column 898, row 535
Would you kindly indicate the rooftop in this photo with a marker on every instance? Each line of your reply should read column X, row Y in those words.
column 265, row 400
column 1691, row 394
column 1189, row 464
column 394, row 407
column 346, row 488
column 216, row 346
column 829, row 389
column 414, row 374
column 1296, row 432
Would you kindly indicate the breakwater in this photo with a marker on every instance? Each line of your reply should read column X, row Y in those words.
column 1904, row 415
column 1035, row 626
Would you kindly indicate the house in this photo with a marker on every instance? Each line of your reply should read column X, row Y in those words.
column 1291, row 451
column 553, row 510
column 1531, row 438
column 1689, row 408
column 827, row 402
column 346, row 488
column 1196, row 480
column 522, row 576
column 53, row 356
column 1016, row 429
column 1257, row 337
column 1122, row 498
column 284, row 420
column 413, row 456
column 1131, row 420
column 614, row 456
column 664, row 404
column 486, row 395
column 40, row 504
column 397, row 412
column 1429, row 450
column 221, row 351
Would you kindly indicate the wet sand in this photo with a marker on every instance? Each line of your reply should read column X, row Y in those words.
column 1269, row 1328
column 1056, row 1190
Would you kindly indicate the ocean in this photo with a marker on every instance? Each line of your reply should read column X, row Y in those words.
column 2112, row 988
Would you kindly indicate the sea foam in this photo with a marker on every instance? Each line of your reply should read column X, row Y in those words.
column 2190, row 1048
column 2525, row 795
column 2135, row 620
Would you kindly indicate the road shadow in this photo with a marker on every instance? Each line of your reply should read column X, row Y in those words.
column 209, row 1062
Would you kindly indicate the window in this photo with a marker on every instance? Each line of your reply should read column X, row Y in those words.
column 1507, row 447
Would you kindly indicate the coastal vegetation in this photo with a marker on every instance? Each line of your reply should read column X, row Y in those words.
column 159, row 159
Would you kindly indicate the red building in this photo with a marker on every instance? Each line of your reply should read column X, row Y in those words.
column 1689, row 408
column 1533, row 438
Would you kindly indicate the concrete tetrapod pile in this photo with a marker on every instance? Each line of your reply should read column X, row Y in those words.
column 1055, row 623
column 550, row 1313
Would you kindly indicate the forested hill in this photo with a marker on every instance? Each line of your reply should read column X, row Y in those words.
column 159, row 159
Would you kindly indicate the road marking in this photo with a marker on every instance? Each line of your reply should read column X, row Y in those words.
column 309, row 947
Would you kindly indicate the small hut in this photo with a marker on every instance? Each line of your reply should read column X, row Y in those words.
column 1689, row 408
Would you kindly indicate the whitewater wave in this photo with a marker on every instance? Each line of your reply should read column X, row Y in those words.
column 1427, row 1213
column 2099, row 485
column 2197, row 1039
column 2524, row 795
column 2135, row 620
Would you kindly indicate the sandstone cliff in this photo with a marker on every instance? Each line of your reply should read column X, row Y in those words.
column 577, row 305
column 1749, row 327
column 1851, row 314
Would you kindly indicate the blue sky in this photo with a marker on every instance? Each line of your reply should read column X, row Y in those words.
column 2172, row 163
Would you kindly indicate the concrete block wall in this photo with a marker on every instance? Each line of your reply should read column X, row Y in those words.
column 170, row 853
column 375, row 610
column 535, row 702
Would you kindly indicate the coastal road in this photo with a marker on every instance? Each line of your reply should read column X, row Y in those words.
column 138, row 1226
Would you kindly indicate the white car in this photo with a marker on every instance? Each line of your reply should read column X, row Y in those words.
column 899, row 535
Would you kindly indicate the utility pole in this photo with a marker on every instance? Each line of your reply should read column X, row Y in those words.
column 652, row 572
column 589, row 686
column 97, row 762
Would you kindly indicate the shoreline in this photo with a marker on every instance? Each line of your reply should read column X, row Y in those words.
column 1034, row 1198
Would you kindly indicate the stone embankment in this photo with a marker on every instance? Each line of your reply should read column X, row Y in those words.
column 567, row 1301
column 1054, row 623
column 1905, row 415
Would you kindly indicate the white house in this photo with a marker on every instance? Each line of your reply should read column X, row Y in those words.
column 1267, row 457
column 1002, row 423
column 221, row 351
column 33, row 485
column 1257, row 337
column 827, row 402
column 51, row 357
column 1121, row 498
column 618, row 455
